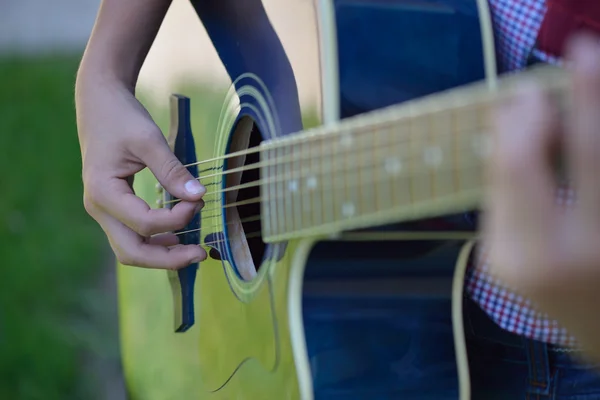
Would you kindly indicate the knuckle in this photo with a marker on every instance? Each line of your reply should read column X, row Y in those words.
column 147, row 138
column 181, row 221
column 144, row 228
column 125, row 258
column 91, row 198
column 93, row 192
column 89, row 205
column 172, row 169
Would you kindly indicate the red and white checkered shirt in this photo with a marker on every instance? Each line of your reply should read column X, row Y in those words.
column 516, row 25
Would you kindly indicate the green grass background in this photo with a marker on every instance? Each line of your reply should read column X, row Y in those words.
column 51, row 252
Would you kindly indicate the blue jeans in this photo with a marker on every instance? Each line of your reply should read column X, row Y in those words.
column 388, row 348
column 508, row 366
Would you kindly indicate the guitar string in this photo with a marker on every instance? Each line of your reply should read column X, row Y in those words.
column 377, row 129
column 256, row 183
column 363, row 164
column 427, row 170
column 331, row 173
column 331, row 145
column 475, row 95
column 243, row 220
column 251, row 235
column 259, row 200
column 278, row 161
column 326, row 132
column 255, row 234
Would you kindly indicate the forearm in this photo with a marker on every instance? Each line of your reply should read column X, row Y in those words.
column 121, row 38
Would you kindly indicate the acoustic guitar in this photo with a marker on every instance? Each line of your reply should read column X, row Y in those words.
column 337, row 249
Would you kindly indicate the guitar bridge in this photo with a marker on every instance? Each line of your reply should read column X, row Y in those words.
column 183, row 281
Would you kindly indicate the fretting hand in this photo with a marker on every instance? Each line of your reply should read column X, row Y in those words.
column 547, row 252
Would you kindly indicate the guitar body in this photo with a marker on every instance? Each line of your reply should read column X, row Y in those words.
column 365, row 314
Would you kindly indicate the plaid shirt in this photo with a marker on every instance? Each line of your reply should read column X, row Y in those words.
column 516, row 25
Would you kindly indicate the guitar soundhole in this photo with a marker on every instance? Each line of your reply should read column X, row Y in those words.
column 242, row 208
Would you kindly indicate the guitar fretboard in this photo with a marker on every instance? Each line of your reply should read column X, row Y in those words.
column 412, row 161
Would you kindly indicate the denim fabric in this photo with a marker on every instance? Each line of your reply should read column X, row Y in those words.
column 507, row 366
column 380, row 348
column 391, row 348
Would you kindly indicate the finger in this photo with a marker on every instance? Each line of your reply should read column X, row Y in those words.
column 117, row 199
column 164, row 239
column 133, row 250
column 169, row 171
column 520, row 171
column 519, row 201
column 583, row 139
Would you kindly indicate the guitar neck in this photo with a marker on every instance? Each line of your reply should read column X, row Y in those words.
column 420, row 159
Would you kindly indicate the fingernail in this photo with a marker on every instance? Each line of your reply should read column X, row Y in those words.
column 194, row 187
column 199, row 207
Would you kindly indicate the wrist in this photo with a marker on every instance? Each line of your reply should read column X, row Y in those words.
column 121, row 38
column 92, row 76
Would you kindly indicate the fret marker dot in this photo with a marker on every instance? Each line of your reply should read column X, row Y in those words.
column 293, row 186
column 348, row 209
column 392, row 165
column 433, row 156
column 311, row 182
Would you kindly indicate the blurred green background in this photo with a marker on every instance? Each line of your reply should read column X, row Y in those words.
column 58, row 318
column 58, row 297
column 58, row 313
column 57, row 307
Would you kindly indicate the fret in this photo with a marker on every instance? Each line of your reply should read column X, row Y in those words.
column 385, row 151
column 325, row 181
column 337, row 174
column 364, row 175
column 304, row 196
column 388, row 153
column 433, row 155
column 470, row 129
column 456, row 147
column 380, row 138
column 310, row 182
column 348, row 205
column 442, row 133
column 288, row 187
column 396, row 165
column 415, row 160
column 270, row 206
column 280, row 195
column 424, row 157
column 273, row 192
column 357, row 185
column 263, row 176
column 410, row 162
column 294, row 186
column 375, row 177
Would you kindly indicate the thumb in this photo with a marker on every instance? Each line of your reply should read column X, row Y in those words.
column 170, row 172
